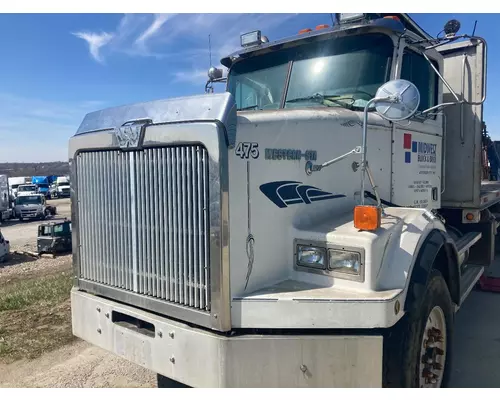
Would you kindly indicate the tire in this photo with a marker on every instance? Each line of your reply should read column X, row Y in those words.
column 403, row 346
column 164, row 382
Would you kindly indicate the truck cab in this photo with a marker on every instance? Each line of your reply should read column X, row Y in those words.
column 42, row 182
column 27, row 190
column 322, row 219
column 60, row 187
column 32, row 206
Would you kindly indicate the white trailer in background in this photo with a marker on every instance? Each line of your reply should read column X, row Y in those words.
column 14, row 183
column 317, row 225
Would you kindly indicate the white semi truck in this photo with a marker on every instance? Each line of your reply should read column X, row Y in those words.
column 318, row 224
column 16, row 181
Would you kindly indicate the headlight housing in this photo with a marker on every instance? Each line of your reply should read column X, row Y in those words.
column 346, row 262
column 342, row 262
column 311, row 256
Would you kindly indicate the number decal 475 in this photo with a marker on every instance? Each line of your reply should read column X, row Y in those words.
column 245, row 150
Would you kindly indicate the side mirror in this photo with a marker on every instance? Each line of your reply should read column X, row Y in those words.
column 397, row 100
column 451, row 28
column 214, row 73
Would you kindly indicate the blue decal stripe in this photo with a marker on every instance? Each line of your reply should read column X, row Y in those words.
column 285, row 193
column 332, row 196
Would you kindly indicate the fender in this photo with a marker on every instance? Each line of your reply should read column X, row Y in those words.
column 418, row 240
column 436, row 244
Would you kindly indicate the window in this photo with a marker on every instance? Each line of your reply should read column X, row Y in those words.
column 417, row 70
column 62, row 230
column 344, row 71
column 259, row 82
column 347, row 70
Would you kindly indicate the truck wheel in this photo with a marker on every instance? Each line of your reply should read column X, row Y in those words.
column 164, row 382
column 424, row 339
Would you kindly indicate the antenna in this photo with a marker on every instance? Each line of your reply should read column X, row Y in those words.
column 474, row 30
column 210, row 49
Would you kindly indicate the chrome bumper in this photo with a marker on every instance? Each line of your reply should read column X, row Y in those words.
column 201, row 358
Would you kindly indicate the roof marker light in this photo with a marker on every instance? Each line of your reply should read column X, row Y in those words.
column 250, row 39
column 322, row 26
column 305, row 31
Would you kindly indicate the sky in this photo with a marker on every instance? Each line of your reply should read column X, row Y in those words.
column 55, row 68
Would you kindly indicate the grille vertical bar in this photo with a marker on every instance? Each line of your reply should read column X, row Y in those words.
column 143, row 219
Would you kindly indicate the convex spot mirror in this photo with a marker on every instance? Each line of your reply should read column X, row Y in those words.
column 397, row 100
column 214, row 73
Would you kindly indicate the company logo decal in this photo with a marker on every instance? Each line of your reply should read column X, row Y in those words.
column 424, row 152
column 129, row 134
column 286, row 193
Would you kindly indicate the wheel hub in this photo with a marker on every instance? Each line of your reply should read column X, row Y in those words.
column 433, row 349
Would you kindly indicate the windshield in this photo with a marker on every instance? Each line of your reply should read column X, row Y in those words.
column 29, row 200
column 15, row 186
column 340, row 72
column 30, row 188
column 43, row 186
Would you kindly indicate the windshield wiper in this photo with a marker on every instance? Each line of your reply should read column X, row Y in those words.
column 249, row 107
column 322, row 99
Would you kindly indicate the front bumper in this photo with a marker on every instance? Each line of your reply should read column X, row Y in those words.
column 202, row 358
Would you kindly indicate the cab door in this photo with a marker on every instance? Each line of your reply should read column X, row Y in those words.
column 417, row 143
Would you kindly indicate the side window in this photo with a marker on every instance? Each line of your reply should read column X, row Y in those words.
column 245, row 96
column 417, row 70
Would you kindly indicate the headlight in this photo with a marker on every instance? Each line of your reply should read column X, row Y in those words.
column 346, row 262
column 311, row 256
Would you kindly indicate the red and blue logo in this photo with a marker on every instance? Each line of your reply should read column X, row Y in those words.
column 425, row 152
column 409, row 146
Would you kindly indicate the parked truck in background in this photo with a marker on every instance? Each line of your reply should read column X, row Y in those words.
column 27, row 189
column 33, row 206
column 5, row 199
column 60, row 187
column 43, row 185
column 14, row 183
column 318, row 224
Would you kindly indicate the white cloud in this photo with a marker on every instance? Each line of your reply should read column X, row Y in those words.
column 156, row 35
column 159, row 20
column 95, row 42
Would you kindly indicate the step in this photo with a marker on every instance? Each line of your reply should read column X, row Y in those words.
column 467, row 241
column 469, row 278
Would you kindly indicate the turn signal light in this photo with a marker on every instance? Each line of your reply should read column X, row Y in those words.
column 470, row 217
column 305, row 31
column 367, row 218
column 392, row 17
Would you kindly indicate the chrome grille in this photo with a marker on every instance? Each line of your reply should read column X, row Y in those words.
column 143, row 222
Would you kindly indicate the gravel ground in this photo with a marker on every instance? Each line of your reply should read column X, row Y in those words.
column 76, row 365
